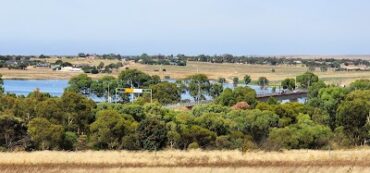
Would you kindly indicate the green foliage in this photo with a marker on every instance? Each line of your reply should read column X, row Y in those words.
column 137, row 78
column 1, row 84
column 12, row 131
column 214, row 122
column 215, row 90
column 258, row 123
column 70, row 140
column 108, row 130
column 81, row 84
column 152, row 134
column 288, row 84
column 363, row 84
column 231, row 97
column 209, row 108
column 353, row 115
column 104, row 86
column 313, row 90
column 78, row 111
column 247, row 79
column 263, row 82
column 74, row 122
column 235, row 81
column 307, row 79
column 202, row 136
column 45, row 134
column 166, row 93
column 221, row 80
column 304, row 134
column 198, row 86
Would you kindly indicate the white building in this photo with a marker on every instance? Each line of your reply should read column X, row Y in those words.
column 70, row 69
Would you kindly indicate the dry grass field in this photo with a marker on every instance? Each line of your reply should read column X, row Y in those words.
column 194, row 161
column 229, row 71
column 214, row 71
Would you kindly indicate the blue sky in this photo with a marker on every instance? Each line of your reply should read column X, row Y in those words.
column 241, row 27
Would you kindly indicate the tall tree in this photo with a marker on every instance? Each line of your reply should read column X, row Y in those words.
column 307, row 79
column 235, row 81
column 45, row 134
column 247, row 79
column 263, row 82
column 13, row 132
column 152, row 134
column 198, row 86
column 288, row 83
column 81, row 83
column 108, row 130
column 104, row 87
column 166, row 93
column 1, row 84
column 136, row 78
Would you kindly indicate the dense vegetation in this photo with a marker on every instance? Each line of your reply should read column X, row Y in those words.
column 334, row 117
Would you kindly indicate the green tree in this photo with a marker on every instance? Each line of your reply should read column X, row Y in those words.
column 330, row 98
column 51, row 110
column 12, row 131
column 231, row 97
column 108, row 130
column 198, row 86
column 166, row 93
column 201, row 136
column 353, row 115
column 235, row 81
column 221, row 80
column 362, row 84
column 304, row 134
column 215, row 90
column 81, row 83
column 69, row 141
column 288, row 84
column 104, row 87
column 152, row 134
column 258, row 123
column 214, row 122
column 137, row 78
column 307, row 79
column 247, row 79
column 263, row 82
column 45, row 134
column 313, row 90
column 1, row 84
column 78, row 112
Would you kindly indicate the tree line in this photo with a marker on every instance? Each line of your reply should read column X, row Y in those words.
column 333, row 117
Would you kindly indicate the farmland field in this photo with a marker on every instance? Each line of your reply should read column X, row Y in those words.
column 213, row 71
column 228, row 71
column 194, row 161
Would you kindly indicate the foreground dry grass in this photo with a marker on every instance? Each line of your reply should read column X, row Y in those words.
column 187, row 161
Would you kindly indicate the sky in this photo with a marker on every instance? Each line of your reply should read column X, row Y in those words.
column 131, row 27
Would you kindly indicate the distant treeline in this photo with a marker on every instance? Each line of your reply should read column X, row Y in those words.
column 181, row 60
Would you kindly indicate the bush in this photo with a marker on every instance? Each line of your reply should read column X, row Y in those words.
column 193, row 145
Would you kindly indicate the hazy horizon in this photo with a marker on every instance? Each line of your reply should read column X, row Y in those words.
column 238, row 27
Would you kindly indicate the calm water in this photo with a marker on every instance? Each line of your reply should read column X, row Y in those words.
column 56, row 87
column 24, row 87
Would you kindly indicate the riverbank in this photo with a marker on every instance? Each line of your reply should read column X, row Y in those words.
column 356, row 160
